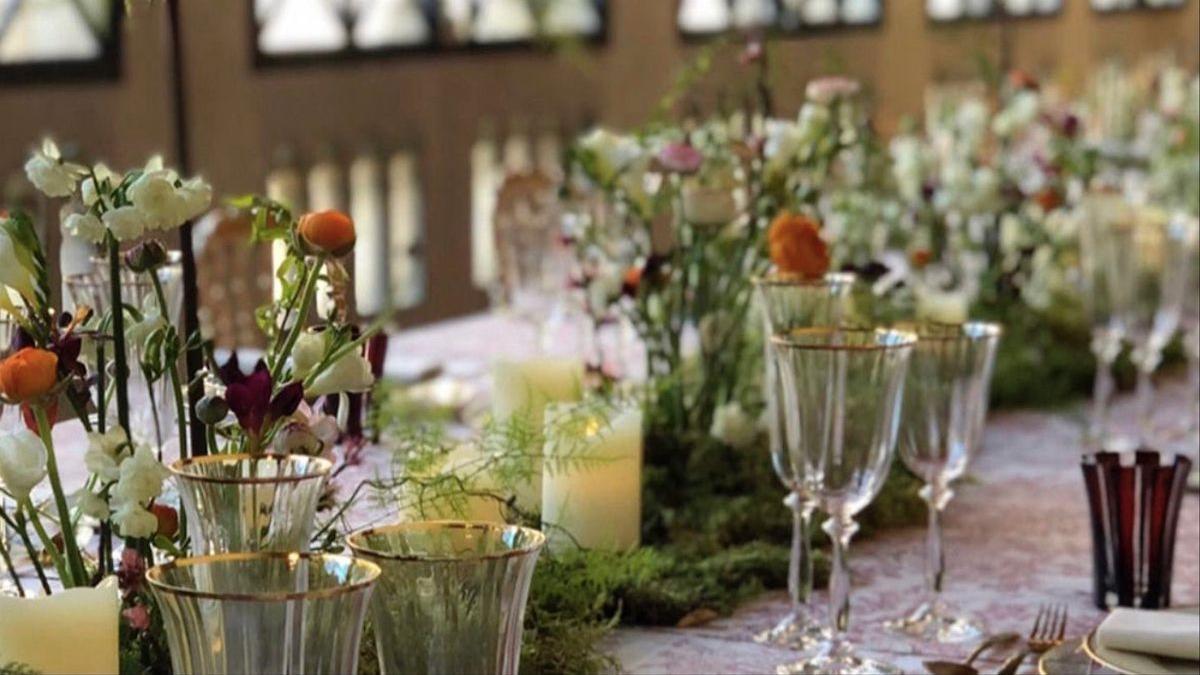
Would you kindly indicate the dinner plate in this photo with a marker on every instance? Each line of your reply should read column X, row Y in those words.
column 1133, row 663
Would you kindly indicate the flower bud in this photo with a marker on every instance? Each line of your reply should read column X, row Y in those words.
column 211, row 410
column 28, row 374
column 146, row 256
column 329, row 232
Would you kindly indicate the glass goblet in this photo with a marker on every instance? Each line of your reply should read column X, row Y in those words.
column 788, row 302
column 843, row 391
column 1158, row 280
column 945, row 404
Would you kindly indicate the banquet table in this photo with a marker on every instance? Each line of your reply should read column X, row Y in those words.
column 1017, row 533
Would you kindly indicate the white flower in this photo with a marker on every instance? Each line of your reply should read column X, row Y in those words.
column 103, row 456
column 139, row 332
column 92, row 504
column 732, row 426
column 949, row 306
column 125, row 222
column 826, row 90
column 13, row 272
column 908, row 167
column 612, row 152
column 22, row 462
column 89, row 192
column 603, row 288
column 134, row 520
column 1020, row 112
column 48, row 173
column 705, row 205
column 308, row 352
column 193, row 198
column 350, row 374
column 85, row 226
column 783, row 143
column 154, row 194
column 141, row 478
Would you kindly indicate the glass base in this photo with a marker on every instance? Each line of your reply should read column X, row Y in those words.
column 838, row 661
column 936, row 622
column 795, row 631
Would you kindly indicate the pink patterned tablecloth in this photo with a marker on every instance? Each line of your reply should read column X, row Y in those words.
column 1017, row 532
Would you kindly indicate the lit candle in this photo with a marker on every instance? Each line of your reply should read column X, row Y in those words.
column 524, row 388
column 71, row 631
column 592, row 477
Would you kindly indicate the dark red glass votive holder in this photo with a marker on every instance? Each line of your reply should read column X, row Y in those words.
column 1134, row 499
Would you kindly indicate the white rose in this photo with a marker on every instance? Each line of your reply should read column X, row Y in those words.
column 133, row 520
column 308, row 352
column 85, row 226
column 125, row 223
column 350, row 374
column 732, row 426
column 22, row 462
column 13, row 272
column 153, row 194
column 141, row 478
column 92, row 504
column 50, row 175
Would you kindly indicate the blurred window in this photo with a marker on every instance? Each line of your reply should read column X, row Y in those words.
column 966, row 10
column 44, row 40
column 292, row 30
column 1126, row 5
column 698, row 18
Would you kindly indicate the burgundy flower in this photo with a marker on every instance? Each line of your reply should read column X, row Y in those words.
column 250, row 399
column 680, row 158
column 137, row 616
column 131, row 571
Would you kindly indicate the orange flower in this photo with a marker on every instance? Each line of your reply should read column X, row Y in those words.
column 920, row 257
column 796, row 246
column 28, row 374
column 327, row 231
column 1048, row 199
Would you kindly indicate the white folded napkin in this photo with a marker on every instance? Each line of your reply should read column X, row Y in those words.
column 1164, row 633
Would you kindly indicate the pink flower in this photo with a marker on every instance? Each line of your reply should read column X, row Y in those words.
column 753, row 53
column 131, row 571
column 137, row 616
column 680, row 158
column 826, row 90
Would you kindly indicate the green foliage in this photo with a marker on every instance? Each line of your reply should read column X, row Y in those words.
column 13, row 668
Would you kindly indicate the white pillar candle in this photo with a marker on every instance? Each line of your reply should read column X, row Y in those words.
column 524, row 388
column 71, row 631
column 467, row 463
column 592, row 477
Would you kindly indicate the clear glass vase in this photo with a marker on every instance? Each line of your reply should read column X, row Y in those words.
column 242, row 503
column 452, row 595
column 264, row 612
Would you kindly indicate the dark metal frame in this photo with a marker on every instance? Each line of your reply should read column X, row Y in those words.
column 776, row 32
column 353, row 54
column 104, row 67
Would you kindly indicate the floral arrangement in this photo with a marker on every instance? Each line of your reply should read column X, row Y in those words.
column 304, row 396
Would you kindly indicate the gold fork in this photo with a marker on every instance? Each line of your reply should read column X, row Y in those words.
column 1049, row 629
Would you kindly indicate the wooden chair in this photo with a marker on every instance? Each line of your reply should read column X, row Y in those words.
column 234, row 278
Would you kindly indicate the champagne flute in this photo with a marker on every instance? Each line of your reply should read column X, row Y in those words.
column 788, row 302
column 945, row 405
column 843, row 391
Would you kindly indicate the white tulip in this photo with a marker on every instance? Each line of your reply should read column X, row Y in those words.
column 153, row 193
column 50, row 175
column 13, row 272
column 125, row 223
column 22, row 462
column 85, row 226
column 349, row 374
column 133, row 520
column 308, row 352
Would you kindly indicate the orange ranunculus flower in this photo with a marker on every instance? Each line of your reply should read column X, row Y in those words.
column 1048, row 199
column 330, row 232
column 796, row 246
column 28, row 374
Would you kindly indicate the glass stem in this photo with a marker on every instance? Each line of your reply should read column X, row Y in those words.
column 800, row 569
column 935, row 497
column 1101, row 396
column 840, row 531
column 1145, row 405
column 1193, row 360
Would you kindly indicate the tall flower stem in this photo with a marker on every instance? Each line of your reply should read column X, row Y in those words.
column 173, row 372
column 47, row 543
column 307, row 290
column 77, row 573
column 120, row 355
column 8, row 563
column 27, row 542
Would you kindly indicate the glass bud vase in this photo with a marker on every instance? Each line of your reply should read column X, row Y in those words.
column 243, row 503
column 264, row 612
column 452, row 594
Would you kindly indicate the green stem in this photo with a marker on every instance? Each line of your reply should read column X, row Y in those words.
column 48, row 544
column 8, row 563
column 120, row 355
column 306, row 299
column 173, row 372
column 22, row 532
column 78, row 574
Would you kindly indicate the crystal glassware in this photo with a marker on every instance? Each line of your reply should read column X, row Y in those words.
column 843, row 393
column 1134, row 500
column 264, row 612
column 452, row 595
column 1106, row 261
column 945, row 405
column 788, row 302
column 1158, row 281
column 244, row 503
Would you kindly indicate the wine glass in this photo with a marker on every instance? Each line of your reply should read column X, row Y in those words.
column 945, row 404
column 1106, row 262
column 788, row 302
column 1158, row 281
column 1190, row 323
column 843, row 391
